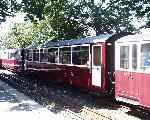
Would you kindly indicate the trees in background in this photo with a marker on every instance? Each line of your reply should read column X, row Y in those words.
column 138, row 8
column 60, row 15
column 72, row 18
column 17, row 37
column 8, row 8
column 68, row 19
column 34, row 8
column 24, row 34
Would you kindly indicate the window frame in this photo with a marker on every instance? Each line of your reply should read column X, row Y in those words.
column 117, row 53
column 142, row 43
column 71, row 48
column 47, row 52
column 70, row 55
column 11, row 55
column 137, row 57
column 129, row 57
column 88, row 45
column 99, row 45
column 57, row 55
column 37, row 52
column 31, row 55
column 130, row 44
column 43, row 51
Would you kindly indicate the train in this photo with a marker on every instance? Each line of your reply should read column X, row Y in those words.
column 12, row 59
column 116, row 64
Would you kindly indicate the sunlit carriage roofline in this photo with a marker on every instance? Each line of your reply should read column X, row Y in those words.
column 87, row 40
column 135, row 38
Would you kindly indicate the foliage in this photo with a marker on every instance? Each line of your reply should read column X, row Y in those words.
column 17, row 37
column 63, row 24
column 72, row 18
column 8, row 8
column 107, row 17
column 67, row 19
column 34, row 9
column 139, row 8
column 25, row 34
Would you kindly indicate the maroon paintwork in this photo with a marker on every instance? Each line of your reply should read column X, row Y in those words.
column 9, row 64
column 78, row 76
column 144, row 89
column 134, row 86
column 104, row 79
column 0, row 63
column 72, row 74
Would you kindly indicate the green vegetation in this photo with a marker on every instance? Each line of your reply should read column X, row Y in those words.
column 68, row 19
column 8, row 8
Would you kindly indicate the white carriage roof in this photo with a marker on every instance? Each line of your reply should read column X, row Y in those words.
column 32, row 46
column 87, row 40
column 135, row 38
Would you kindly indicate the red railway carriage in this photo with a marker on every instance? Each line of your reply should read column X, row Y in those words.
column 1, row 52
column 11, row 59
column 132, row 71
column 81, row 62
column 0, row 63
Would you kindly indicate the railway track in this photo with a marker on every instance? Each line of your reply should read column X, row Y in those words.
column 92, row 114
column 72, row 107
column 70, row 115
column 85, row 114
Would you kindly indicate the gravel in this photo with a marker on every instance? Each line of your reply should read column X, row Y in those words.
column 57, row 98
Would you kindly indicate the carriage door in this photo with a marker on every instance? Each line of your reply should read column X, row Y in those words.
column 96, row 65
column 128, row 83
column 133, row 79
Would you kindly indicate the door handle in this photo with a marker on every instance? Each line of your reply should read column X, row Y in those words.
column 130, row 77
column 96, row 68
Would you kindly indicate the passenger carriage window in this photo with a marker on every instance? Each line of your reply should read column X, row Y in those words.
column 41, row 54
column 65, row 55
column 36, row 55
column 44, row 55
column 145, row 57
column 11, row 55
column 53, row 55
column 124, row 57
column 80, row 55
column 26, row 54
column 96, row 55
column 134, row 57
column 17, row 54
column 6, row 55
column 30, row 53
